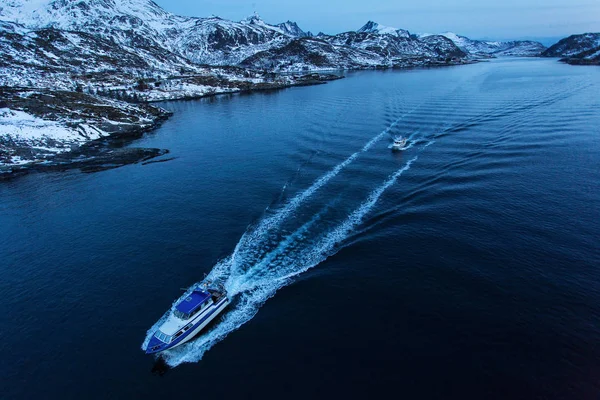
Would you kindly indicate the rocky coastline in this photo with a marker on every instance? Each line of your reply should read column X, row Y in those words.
column 581, row 49
column 57, row 130
column 75, row 90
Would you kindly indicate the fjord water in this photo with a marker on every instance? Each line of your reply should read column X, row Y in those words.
column 465, row 266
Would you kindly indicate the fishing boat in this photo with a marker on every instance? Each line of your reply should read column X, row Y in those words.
column 188, row 318
column 399, row 143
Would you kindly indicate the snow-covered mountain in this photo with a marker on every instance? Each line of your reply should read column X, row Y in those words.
column 202, row 40
column 213, row 40
column 311, row 54
column 57, row 56
column 577, row 49
column 217, row 41
column 397, row 44
column 365, row 48
column 495, row 48
column 374, row 27
column 54, row 58
column 64, row 44
column 95, row 16
column 292, row 29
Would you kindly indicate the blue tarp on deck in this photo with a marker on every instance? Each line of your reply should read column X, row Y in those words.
column 192, row 302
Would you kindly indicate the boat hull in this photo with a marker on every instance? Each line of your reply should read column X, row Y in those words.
column 219, row 310
column 157, row 346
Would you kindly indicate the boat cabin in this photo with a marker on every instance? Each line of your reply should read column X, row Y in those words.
column 197, row 301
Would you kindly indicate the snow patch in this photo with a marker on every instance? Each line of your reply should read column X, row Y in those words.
column 23, row 126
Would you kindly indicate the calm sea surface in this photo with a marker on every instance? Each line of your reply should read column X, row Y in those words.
column 467, row 266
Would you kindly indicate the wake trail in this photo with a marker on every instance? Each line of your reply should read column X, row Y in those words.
column 250, row 279
column 272, row 268
column 251, row 248
column 292, row 257
column 273, row 221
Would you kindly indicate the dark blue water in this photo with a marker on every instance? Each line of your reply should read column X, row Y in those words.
column 467, row 266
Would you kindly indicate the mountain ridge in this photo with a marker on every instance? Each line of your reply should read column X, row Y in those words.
column 374, row 27
column 219, row 42
column 56, row 54
column 488, row 48
column 111, row 53
column 579, row 49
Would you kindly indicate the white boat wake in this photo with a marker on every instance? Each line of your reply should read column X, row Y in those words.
column 273, row 221
column 264, row 261
column 254, row 286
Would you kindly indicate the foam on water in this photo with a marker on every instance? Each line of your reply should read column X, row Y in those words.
column 274, row 260
column 271, row 222
column 251, row 246
column 292, row 257
column 264, row 261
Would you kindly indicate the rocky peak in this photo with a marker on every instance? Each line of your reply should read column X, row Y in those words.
column 370, row 26
column 292, row 29
column 374, row 27
column 254, row 19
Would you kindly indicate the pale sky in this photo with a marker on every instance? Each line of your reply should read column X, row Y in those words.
column 478, row 19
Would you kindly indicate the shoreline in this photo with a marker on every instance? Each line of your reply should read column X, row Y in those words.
column 41, row 153
column 108, row 151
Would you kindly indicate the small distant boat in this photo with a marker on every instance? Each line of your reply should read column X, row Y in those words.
column 190, row 316
column 399, row 143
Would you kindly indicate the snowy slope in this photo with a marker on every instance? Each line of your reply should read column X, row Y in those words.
column 142, row 26
column 24, row 127
column 374, row 27
column 494, row 48
column 129, row 22
column 593, row 54
column 292, row 29
column 50, row 57
column 573, row 45
column 39, row 125
column 144, row 15
column 312, row 54
column 353, row 50
column 394, row 46
column 217, row 41
column 581, row 49
column 373, row 45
